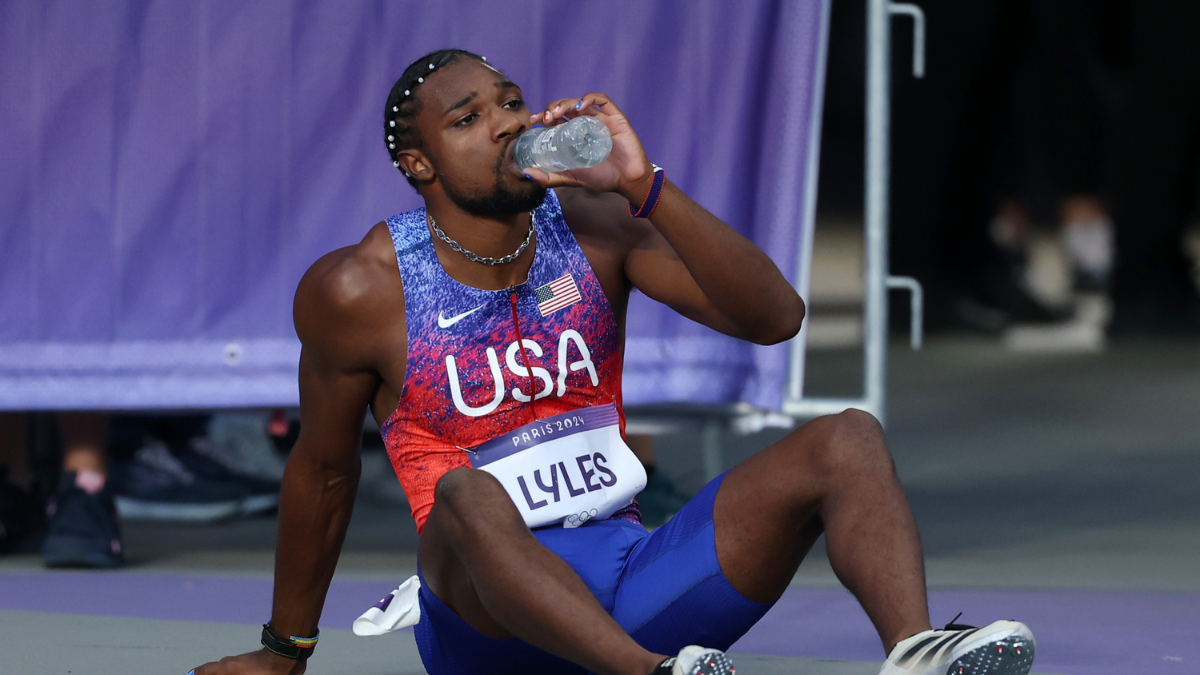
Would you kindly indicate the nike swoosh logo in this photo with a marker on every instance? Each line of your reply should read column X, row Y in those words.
column 443, row 322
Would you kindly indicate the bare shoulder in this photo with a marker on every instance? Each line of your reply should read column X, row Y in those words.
column 338, row 302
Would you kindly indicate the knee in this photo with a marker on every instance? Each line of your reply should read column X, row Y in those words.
column 851, row 442
column 464, row 490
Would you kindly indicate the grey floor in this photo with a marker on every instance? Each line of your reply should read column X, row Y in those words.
column 1025, row 472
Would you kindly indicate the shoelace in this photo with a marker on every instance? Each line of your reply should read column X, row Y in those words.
column 958, row 626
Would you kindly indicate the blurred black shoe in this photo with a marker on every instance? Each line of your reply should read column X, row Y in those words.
column 991, row 304
column 22, row 517
column 219, row 462
column 83, row 526
column 155, row 485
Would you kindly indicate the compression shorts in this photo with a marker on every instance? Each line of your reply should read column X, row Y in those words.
column 664, row 588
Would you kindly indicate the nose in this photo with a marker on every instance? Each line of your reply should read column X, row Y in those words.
column 510, row 125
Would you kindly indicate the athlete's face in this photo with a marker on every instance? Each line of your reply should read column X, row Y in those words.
column 470, row 116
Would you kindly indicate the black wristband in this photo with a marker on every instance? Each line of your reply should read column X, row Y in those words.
column 284, row 647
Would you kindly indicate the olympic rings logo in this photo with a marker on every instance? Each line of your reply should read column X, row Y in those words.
column 577, row 519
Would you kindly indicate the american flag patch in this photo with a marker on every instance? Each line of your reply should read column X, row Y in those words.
column 562, row 292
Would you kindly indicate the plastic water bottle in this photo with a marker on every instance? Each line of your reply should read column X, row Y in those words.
column 581, row 143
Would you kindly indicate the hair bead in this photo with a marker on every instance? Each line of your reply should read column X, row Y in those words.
column 431, row 66
column 391, row 146
column 406, row 92
column 396, row 163
column 395, row 108
column 391, row 123
column 391, row 137
column 420, row 80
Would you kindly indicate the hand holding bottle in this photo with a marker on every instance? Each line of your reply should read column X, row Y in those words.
column 626, row 170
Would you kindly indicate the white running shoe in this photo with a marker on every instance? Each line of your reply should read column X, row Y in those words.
column 1003, row 648
column 693, row 660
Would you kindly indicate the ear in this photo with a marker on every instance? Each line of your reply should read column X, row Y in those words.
column 415, row 164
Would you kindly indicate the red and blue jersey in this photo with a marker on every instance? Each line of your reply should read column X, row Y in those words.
column 481, row 363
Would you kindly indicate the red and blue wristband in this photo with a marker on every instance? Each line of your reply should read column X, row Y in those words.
column 651, row 202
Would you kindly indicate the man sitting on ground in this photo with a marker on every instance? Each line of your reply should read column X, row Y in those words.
column 492, row 362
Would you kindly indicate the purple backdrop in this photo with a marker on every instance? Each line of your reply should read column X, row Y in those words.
column 169, row 169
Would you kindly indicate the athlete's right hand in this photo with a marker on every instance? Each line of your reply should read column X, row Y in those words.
column 261, row 662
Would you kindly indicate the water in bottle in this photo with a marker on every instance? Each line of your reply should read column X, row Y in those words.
column 581, row 143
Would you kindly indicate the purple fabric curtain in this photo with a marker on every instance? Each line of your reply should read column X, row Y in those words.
column 168, row 170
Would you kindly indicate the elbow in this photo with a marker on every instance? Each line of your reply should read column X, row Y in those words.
column 784, row 325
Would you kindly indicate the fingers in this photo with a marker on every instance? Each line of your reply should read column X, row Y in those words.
column 555, row 113
column 558, row 112
column 599, row 101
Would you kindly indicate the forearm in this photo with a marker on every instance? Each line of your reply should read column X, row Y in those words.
column 741, row 281
column 314, row 511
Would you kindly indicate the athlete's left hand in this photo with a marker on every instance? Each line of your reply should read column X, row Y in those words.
column 626, row 168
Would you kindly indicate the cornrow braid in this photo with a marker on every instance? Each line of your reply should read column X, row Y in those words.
column 399, row 114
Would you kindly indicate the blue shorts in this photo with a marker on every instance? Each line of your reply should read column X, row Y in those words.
column 664, row 588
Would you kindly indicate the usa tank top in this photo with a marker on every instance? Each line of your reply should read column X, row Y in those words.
column 485, row 362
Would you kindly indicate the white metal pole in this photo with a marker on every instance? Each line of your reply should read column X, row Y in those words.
column 876, row 206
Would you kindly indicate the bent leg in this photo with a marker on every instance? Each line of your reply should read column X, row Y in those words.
column 832, row 475
column 478, row 557
column 84, row 436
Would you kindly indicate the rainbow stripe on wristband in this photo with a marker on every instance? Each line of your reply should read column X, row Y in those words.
column 306, row 642
column 651, row 201
column 295, row 648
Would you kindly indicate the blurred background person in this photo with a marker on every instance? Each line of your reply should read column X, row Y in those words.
column 1007, row 129
column 170, row 468
column 82, row 527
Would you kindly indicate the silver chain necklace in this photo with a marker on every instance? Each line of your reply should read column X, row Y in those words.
column 473, row 257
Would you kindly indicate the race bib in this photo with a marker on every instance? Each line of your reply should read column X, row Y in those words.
column 569, row 468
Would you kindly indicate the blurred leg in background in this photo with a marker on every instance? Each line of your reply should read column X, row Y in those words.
column 1071, row 72
column 1054, row 221
column 952, row 138
column 1006, row 131
column 83, row 527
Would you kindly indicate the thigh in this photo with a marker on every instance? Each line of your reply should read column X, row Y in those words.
column 450, row 644
column 673, row 592
column 444, row 575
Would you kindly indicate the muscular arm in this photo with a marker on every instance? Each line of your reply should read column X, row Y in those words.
column 338, row 324
column 319, row 486
column 693, row 262
column 684, row 257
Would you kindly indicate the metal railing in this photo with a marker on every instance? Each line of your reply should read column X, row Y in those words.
column 713, row 420
column 878, row 279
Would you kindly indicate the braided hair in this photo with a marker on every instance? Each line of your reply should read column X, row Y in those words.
column 399, row 114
